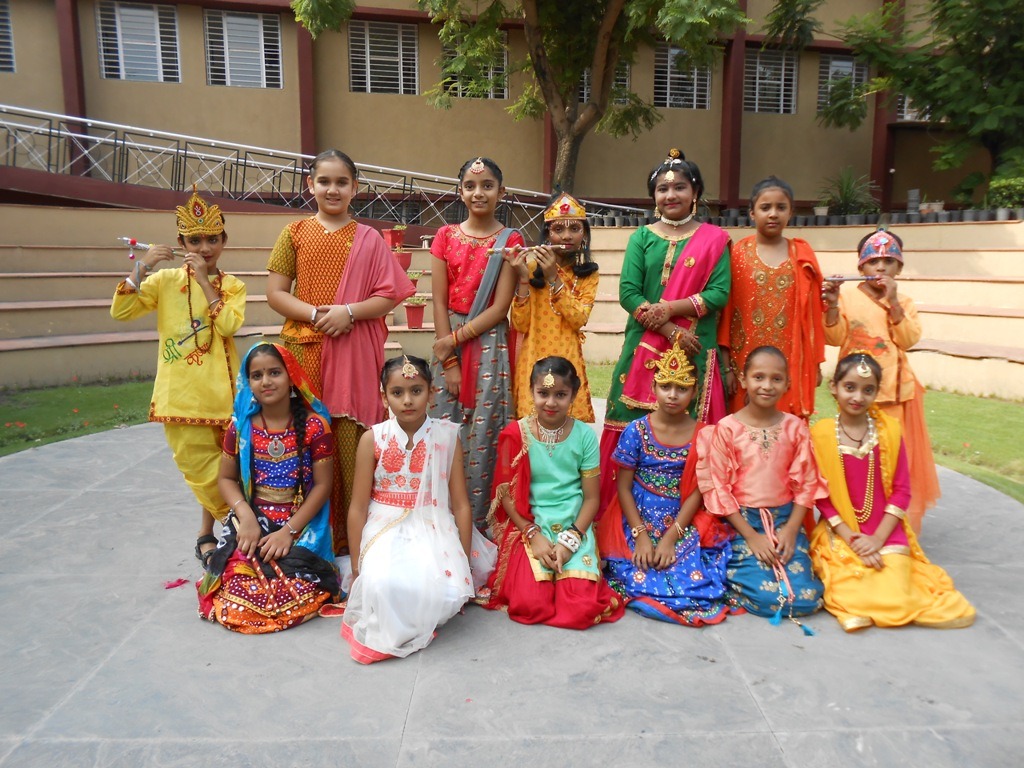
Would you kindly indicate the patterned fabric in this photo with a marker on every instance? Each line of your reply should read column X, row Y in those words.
column 547, row 490
column 780, row 307
column 466, row 260
column 413, row 571
column 691, row 591
column 909, row 589
column 864, row 325
column 755, row 587
column 553, row 325
column 281, row 473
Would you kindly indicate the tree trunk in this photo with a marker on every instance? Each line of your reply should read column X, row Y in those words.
column 567, row 153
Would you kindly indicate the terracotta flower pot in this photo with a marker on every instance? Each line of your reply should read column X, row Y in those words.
column 414, row 315
column 395, row 238
column 404, row 259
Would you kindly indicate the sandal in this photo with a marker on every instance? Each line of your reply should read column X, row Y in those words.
column 207, row 538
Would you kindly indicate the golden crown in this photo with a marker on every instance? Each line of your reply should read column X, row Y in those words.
column 198, row 218
column 673, row 367
column 565, row 207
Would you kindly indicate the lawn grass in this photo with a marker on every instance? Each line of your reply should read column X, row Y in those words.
column 975, row 436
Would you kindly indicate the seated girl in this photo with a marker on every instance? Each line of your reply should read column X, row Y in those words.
column 546, row 490
column 410, row 523
column 864, row 549
column 665, row 554
column 756, row 469
column 274, row 564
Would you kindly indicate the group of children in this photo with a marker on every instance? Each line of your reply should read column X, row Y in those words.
column 684, row 512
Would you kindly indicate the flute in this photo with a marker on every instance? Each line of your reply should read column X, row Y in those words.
column 527, row 249
column 849, row 278
column 135, row 245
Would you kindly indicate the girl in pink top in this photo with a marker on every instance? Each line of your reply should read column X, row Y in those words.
column 756, row 469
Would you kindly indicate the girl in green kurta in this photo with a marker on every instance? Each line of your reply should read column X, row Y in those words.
column 675, row 280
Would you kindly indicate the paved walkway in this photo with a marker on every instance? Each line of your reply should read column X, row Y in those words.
column 102, row 666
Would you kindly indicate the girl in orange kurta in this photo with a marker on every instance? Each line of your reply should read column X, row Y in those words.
column 553, row 301
column 346, row 281
column 870, row 315
column 774, row 301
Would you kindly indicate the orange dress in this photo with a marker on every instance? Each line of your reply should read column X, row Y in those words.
column 864, row 324
column 553, row 325
column 778, row 307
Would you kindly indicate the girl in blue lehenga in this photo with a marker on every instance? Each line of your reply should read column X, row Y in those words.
column 665, row 555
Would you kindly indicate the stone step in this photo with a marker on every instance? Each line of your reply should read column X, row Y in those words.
column 972, row 325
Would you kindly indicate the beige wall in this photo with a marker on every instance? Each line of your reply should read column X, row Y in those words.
column 36, row 81
column 913, row 168
column 263, row 117
column 404, row 132
column 830, row 14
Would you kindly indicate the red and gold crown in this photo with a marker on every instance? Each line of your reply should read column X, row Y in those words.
column 565, row 208
column 198, row 218
column 673, row 367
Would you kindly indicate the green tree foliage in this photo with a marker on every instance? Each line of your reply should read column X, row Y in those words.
column 564, row 40
column 961, row 68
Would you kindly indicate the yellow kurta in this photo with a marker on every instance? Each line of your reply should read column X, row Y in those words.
column 864, row 324
column 552, row 325
column 195, row 375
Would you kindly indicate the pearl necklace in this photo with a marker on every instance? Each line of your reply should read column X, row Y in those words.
column 677, row 223
column 550, row 437
column 864, row 513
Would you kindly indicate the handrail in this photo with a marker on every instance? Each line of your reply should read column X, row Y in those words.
column 115, row 152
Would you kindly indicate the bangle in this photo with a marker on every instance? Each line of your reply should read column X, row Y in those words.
column 312, row 318
column 575, row 528
column 679, row 529
column 529, row 532
column 472, row 330
column 232, row 507
column 449, row 362
column 636, row 530
column 351, row 314
column 570, row 541
column 134, row 287
column 699, row 307
column 558, row 290
column 291, row 530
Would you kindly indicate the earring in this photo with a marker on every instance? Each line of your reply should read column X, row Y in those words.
column 693, row 211
column 294, row 394
column 657, row 212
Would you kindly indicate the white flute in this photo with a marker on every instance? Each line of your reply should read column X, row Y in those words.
column 849, row 278
column 527, row 249
column 134, row 245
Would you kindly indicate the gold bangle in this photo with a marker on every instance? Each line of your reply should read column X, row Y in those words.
column 636, row 530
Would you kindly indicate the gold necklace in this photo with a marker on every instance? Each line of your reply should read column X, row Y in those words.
column 864, row 513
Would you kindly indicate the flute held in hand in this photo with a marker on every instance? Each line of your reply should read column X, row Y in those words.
column 849, row 278
column 134, row 245
column 527, row 249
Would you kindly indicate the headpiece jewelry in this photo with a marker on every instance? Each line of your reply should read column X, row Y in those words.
column 549, row 379
column 565, row 208
column 675, row 157
column 409, row 371
column 198, row 218
column 673, row 367
column 879, row 246
column 863, row 369
column 478, row 166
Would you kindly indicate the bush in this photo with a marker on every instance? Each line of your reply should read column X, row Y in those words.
column 847, row 194
column 1007, row 193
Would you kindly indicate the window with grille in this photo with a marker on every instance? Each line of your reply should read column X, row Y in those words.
column 677, row 85
column 243, row 49
column 496, row 73
column 6, row 38
column 621, row 82
column 383, row 57
column 907, row 112
column 834, row 68
column 138, row 41
column 769, row 81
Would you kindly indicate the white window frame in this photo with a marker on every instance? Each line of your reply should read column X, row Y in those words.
column 832, row 67
column 906, row 112
column 138, row 41
column 676, row 88
column 370, row 58
column 243, row 49
column 623, row 74
column 7, row 63
column 453, row 84
column 770, row 81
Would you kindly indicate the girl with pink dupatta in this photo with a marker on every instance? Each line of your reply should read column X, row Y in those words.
column 675, row 280
column 345, row 281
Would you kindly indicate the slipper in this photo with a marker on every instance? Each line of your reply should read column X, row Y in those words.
column 207, row 538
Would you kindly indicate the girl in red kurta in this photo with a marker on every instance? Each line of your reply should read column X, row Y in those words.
column 774, row 301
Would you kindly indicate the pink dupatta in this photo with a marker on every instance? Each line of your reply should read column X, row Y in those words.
column 705, row 248
column 350, row 389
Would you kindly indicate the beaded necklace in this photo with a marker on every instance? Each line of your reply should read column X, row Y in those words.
column 550, row 437
column 195, row 323
column 864, row 513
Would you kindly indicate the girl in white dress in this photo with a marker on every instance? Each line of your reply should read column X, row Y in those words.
column 410, row 523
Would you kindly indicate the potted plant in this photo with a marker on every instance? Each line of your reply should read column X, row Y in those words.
column 394, row 237
column 404, row 259
column 821, row 213
column 1007, row 195
column 847, row 194
column 414, row 275
column 415, row 306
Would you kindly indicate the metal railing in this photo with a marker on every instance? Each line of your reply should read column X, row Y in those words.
column 126, row 154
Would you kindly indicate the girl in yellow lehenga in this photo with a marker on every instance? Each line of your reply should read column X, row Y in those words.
column 553, row 301
column 863, row 548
